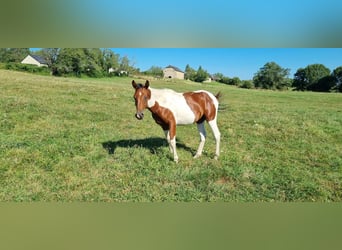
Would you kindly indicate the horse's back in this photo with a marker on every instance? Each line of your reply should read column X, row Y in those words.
column 187, row 106
column 211, row 95
column 176, row 103
column 203, row 104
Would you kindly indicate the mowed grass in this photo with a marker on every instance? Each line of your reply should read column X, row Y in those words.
column 69, row 139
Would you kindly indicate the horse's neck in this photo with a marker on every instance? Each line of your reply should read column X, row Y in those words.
column 155, row 95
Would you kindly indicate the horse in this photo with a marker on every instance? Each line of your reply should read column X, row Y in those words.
column 170, row 108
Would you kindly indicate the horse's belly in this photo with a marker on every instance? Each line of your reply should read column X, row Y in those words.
column 184, row 116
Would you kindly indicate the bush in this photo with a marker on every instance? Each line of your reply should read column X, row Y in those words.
column 230, row 81
column 246, row 84
column 27, row 68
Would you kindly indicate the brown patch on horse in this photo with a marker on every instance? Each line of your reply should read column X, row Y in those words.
column 202, row 106
column 164, row 118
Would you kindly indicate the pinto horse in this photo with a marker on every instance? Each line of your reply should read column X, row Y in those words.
column 170, row 108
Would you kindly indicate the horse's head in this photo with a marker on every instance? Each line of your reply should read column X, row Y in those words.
column 141, row 96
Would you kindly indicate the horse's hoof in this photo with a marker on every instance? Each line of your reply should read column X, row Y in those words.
column 196, row 156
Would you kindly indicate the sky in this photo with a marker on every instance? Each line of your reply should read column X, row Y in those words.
column 193, row 23
column 232, row 62
column 176, row 23
column 232, row 37
column 211, row 23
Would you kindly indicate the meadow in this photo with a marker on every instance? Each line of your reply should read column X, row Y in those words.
column 74, row 139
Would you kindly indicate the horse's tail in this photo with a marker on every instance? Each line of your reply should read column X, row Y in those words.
column 221, row 106
column 218, row 95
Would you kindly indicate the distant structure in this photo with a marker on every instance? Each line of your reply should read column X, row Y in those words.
column 35, row 60
column 210, row 79
column 118, row 72
column 173, row 72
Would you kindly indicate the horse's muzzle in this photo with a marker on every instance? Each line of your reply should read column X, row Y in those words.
column 139, row 115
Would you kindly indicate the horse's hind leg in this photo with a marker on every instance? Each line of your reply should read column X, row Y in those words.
column 173, row 146
column 217, row 135
column 201, row 130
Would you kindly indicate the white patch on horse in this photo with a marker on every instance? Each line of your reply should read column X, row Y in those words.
column 175, row 102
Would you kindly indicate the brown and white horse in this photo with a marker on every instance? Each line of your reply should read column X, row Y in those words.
column 170, row 108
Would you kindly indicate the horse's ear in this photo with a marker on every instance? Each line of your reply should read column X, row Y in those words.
column 134, row 84
column 147, row 84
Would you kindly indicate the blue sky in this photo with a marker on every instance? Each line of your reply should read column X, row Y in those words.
column 233, row 37
column 240, row 62
column 214, row 23
column 174, row 24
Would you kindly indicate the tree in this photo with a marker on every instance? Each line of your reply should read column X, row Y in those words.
column 50, row 55
column 93, row 63
column 337, row 76
column 324, row 84
column 13, row 55
column 315, row 77
column 234, row 81
column 190, row 73
column 125, row 65
column 110, row 60
column 300, row 81
column 271, row 76
column 218, row 76
column 201, row 75
column 70, row 61
column 155, row 71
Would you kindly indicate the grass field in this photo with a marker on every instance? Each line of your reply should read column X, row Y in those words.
column 69, row 139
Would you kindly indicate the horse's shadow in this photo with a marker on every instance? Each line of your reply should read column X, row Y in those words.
column 152, row 144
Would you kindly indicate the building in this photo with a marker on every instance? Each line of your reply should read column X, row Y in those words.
column 35, row 60
column 173, row 72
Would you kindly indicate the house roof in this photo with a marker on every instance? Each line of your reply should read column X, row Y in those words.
column 39, row 59
column 175, row 68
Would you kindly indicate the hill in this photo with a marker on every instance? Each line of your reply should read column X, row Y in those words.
column 70, row 139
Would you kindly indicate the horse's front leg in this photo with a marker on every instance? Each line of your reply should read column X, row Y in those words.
column 167, row 136
column 172, row 134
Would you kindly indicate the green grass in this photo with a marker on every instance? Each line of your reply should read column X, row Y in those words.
column 69, row 139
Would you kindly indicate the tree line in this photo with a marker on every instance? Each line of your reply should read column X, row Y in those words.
column 92, row 62
column 314, row 77
column 96, row 62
